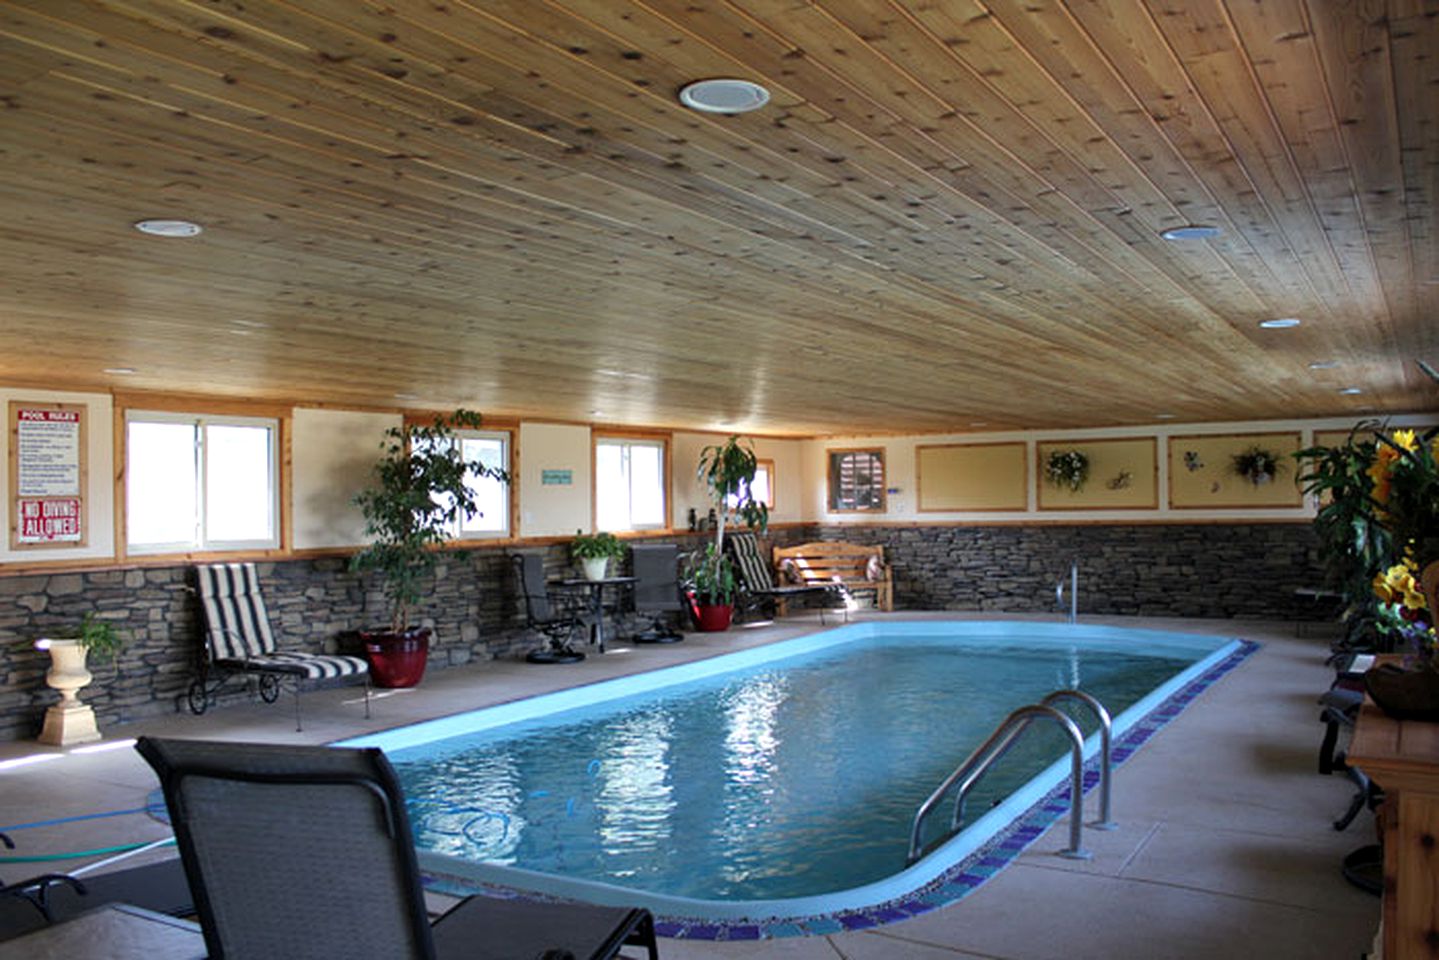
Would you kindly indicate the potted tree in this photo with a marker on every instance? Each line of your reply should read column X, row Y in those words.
column 420, row 490
column 593, row 552
column 727, row 471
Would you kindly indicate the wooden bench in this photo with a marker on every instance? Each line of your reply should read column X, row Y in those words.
column 834, row 561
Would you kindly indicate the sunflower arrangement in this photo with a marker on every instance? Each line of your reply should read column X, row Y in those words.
column 1404, row 493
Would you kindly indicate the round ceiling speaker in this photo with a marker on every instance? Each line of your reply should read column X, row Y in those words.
column 724, row 96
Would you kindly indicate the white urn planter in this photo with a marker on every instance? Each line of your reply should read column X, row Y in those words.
column 595, row 567
column 68, row 721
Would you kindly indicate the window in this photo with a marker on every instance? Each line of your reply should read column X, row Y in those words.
column 201, row 483
column 762, row 489
column 492, row 497
column 630, row 484
column 856, row 480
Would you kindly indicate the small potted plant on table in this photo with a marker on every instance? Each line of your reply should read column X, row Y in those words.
column 593, row 552
column 422, row 486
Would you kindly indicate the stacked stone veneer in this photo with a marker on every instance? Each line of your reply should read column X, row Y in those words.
column 1208, row 570
column 1167, row 570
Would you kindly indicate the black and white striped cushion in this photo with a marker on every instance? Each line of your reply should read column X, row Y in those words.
column 237, row 626
column 752, row 568
column 311, row 666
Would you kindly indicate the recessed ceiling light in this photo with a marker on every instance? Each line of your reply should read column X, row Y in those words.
column 1323, row 364
column 1192, row 232
column 169, row 228
column 1351, row 391
column 120, row 371
column 724, row 95
column 1165, row 416
column 597, row 413
column 407, row 396
column 1280, row 323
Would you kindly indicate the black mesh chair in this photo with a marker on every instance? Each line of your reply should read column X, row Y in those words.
column 657, row 589
column 559, row 620
column 305, row 853
column 36, row 890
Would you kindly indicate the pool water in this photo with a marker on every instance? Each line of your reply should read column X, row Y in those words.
column 785, row 779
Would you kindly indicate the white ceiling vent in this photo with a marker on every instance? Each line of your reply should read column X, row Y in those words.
column 724, row 96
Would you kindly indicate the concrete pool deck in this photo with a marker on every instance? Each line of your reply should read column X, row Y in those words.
column 1224, row 847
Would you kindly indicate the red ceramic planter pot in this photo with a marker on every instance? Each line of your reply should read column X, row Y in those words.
column 714, row 618
column 397, row 659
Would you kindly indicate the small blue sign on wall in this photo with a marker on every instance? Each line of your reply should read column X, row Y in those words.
column 557, row 478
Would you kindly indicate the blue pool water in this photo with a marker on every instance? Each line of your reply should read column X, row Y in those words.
column 787, row 773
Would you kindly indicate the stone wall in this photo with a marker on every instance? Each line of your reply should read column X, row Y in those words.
column 1215, row 570
column 1204, row 570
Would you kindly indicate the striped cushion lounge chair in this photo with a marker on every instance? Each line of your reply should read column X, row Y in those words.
column 238, row 642
column 306, row 853
column 757, row 586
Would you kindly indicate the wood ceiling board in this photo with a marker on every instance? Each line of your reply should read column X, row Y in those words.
column 954, row 218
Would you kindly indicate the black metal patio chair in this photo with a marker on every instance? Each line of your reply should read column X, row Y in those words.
column 305, row 853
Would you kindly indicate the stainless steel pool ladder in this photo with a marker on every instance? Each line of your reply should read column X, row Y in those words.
column 1073, row 593
column 977, row 764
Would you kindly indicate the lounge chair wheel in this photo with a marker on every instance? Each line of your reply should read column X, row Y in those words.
column 197, row 698
column 269, row 687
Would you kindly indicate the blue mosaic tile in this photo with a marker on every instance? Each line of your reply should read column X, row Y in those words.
column 744, row 931
column 822, row 926
column 857, row 921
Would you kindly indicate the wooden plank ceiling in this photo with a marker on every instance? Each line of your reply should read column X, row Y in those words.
column 949, row 214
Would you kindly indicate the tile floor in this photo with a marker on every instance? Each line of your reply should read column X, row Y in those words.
column 1224, row 848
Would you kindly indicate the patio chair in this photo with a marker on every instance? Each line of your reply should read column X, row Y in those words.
column 305, row 852
column 559, row 622
column 657, row 589
column 36, row 890
column 238, row 643
column 757, row 586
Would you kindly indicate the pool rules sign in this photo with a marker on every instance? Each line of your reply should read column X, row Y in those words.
column 47, row 475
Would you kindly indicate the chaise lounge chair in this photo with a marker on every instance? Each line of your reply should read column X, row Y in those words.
column 757, row 586
column 305, row 853
column 238, row 642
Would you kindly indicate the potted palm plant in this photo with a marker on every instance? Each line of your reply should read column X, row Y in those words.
column 727, row 471
column 593, row 552
column 421, row 488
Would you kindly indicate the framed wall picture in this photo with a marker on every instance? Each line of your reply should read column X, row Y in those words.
column 954, row 477
column 1122, row 474
column 1205, row 471
column 48, row 477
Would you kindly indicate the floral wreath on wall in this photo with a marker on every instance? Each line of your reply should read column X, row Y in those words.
column 1067, row 468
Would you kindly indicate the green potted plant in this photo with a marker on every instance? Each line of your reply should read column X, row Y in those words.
column 70, row 721
column 593, row 552
column 420, row 490
column 727, row 470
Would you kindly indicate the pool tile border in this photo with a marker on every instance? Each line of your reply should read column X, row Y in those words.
column 954, row 884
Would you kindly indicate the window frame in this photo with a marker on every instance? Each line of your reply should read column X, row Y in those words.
column 761, row 463
column 507, row 437
column 274, row 421
column 831, row 478
column 643, row 438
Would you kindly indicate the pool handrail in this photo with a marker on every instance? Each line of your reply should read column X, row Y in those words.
column 1106, row 726
column 993, row 748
